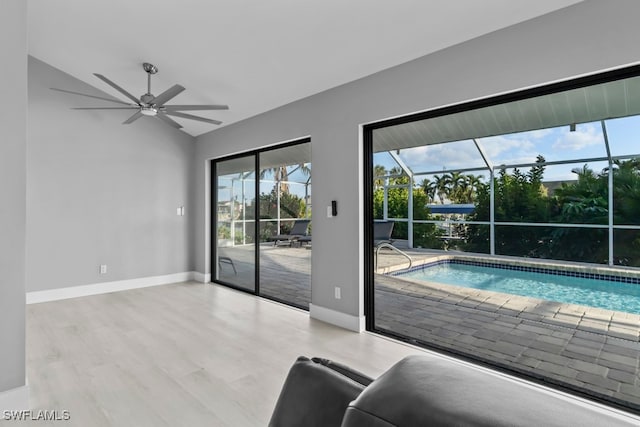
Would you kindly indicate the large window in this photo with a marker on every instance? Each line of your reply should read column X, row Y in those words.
column 263, row 223
column 515, row 232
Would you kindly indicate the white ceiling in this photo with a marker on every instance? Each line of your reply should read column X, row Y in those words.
column 254, row 55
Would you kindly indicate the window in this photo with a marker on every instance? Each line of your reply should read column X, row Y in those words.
column 516, row 233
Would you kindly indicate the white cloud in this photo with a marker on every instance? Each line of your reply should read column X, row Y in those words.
column 441, row 157
column 496, row 148
column 538, row 134
column 517, row 159
column 583, row 137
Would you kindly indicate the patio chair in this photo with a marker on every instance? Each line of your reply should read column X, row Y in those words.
column 227, row 260
column 298, row 230
column 305, row 241
column 382, row 233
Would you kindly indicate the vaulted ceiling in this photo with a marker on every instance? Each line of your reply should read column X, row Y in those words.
column 253, row 55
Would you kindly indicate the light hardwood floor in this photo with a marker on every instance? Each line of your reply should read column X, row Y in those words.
column 187, row 354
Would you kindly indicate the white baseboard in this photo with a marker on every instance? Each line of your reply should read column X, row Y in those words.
column 15, row 399
column 107, row 287
column 201, row 277
column 346, row 321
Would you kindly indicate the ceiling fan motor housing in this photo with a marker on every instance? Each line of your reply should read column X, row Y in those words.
column 146, row 98
column 150, row 68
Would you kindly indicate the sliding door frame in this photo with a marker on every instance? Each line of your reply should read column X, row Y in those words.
column 214, row 222
column 213, row 218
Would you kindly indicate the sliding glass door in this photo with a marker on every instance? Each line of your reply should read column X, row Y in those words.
column 235, row 220
column 271, row 257
column 285, row 224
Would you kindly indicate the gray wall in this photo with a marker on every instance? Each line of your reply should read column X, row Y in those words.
column 100, row 192
column 13, row 146
column 584, row 38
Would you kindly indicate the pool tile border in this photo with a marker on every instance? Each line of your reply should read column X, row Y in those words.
column 554, row 270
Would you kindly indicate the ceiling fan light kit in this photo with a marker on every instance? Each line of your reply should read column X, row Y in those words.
column 150, row 105
column 148, row 111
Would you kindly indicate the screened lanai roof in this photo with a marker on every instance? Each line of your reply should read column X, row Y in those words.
column 291, row 156
column 571, row 125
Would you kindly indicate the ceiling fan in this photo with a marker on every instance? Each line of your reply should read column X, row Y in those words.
column 150, row 105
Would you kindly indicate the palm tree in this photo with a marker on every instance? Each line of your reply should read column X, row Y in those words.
column 399, row 176
column 474, row 182
column 587, row 184
column 281, row 174
column 379, row 172
column 442, row 186
column 456, row 183
column 429, row 187
column 466, row 189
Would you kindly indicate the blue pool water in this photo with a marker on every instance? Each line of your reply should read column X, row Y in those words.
column 606, row 294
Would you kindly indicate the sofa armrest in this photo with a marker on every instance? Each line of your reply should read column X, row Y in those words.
column 420, row 391
column 317, row 392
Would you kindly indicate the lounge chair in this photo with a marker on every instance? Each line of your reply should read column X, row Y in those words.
column 226, row 260
column 382, row 233
column 304, row 241
column 298, row 230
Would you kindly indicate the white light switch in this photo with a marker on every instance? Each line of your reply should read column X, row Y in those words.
column 103, row 269
column 329, row 213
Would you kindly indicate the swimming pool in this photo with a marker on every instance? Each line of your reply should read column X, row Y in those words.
column 607, row 292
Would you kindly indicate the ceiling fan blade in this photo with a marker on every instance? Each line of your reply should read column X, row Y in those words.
column 133, row 118
column 167, row 95
column 118, row 88
column 105, row 108
column 90, row 96
column 168, row 121
column 192, row 117
column 196, row 107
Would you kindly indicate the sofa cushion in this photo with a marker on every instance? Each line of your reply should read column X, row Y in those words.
column 421, row 390
column 316, row 393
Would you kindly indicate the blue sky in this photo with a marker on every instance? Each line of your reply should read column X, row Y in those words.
column 587, row 141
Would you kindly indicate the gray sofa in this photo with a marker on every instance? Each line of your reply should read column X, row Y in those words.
column 425, row 391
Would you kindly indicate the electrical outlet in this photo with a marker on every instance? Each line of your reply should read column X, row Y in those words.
column 337, row 292
column 103, row 268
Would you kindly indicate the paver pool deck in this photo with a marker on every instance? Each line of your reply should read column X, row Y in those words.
column 587, row 349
